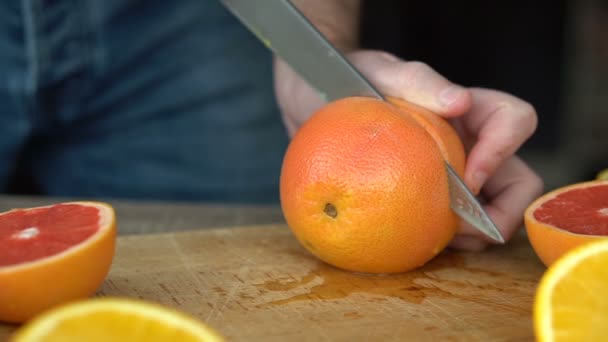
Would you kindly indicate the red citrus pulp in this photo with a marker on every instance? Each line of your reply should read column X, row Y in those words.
column 51, row 255
column 567, row 217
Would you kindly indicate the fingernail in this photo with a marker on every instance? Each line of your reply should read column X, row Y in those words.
column 450, row 94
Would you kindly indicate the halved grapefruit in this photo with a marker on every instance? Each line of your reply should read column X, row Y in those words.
column 566, row 218
column 53, row 254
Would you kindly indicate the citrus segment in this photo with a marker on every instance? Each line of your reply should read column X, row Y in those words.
column 51, row 255
column 567, row 217
column 115, row 319
column 364, row 188
column 571, row 302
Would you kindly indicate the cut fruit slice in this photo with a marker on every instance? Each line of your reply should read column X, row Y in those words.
column 53, row 254
column 571, row 302
column 567, row 217
column 114, row 319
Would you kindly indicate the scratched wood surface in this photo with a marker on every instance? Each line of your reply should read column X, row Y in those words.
column 257, row 283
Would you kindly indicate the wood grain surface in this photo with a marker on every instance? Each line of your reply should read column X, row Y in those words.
column 258, row 283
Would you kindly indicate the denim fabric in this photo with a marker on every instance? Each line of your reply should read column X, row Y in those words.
column 137, row 99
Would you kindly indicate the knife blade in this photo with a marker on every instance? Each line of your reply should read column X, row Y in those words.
column 289, row 34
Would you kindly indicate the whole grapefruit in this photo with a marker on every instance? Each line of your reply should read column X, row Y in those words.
column 364, row 184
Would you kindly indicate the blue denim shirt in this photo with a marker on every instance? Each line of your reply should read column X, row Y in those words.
column 137, row 99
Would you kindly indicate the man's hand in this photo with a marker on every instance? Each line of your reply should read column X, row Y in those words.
column 492, row 125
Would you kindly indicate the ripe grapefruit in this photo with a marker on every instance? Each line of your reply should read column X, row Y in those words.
column 115, row 319
column 53, row 254
column 567, row 217
column 364, row 185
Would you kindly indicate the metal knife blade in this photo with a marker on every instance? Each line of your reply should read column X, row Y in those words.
column 284, row 30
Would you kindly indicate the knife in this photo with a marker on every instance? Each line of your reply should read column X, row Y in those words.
column 287, row 32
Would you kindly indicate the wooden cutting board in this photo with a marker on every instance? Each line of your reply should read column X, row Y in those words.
column 258, row 283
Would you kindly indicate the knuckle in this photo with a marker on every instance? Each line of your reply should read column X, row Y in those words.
column 527, row 118
column 502, row 144
column 537, row 185
column 519, row 122
column 414, row 71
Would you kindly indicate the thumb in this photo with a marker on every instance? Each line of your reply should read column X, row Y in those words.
column 412, row 81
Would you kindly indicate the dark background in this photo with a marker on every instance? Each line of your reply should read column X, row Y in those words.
column 553, row 54
column 515, row 46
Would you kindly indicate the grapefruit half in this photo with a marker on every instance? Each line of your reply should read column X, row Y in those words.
column 566, row 218
column 53, row 254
